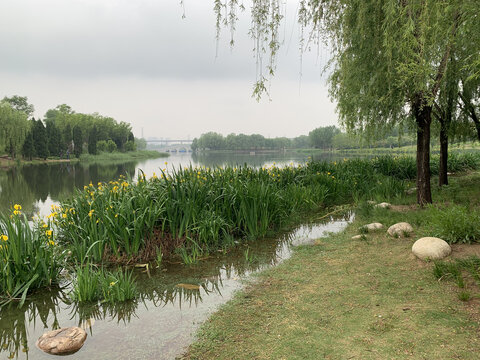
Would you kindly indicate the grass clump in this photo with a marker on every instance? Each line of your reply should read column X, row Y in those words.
column 455, row 224
column 100, row 285
column 457, row 269
column 29, row 258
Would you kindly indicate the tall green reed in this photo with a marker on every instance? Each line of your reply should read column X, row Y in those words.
column 29, row 258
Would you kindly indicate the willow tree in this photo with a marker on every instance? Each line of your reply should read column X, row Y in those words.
column 389, row 57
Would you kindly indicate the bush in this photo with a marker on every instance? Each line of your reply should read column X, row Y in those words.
column 130, row 146
column 111, row 146
column 102, row 146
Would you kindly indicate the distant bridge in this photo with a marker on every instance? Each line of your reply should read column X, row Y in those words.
column 169, row 142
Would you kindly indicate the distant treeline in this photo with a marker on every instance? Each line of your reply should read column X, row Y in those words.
column 62, row 132
column 328, row 138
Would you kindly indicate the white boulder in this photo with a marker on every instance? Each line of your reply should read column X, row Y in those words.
column 400, row 229
column 383, row 205
column 373, row 226
column 431, row 248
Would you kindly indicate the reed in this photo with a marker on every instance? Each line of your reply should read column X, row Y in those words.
column 202, row 209
column 29, row 258
column 92, row 284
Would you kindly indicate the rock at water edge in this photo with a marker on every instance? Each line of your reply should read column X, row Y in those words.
column 62, row 341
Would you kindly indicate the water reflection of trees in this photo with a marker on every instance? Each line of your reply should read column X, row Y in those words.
column 28, row 184
column 15, row 322
column 158, row 288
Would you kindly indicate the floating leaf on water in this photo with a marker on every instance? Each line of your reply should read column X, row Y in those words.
column 189, row 286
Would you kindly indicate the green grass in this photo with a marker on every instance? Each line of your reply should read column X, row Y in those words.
column 93, row 284
column 29, row 258
column 345, row 299
column 455, row 224
column 203, row 209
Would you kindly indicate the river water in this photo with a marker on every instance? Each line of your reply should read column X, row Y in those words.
column 162, row 322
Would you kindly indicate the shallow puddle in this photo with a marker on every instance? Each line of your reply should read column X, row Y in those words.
column 160, row 324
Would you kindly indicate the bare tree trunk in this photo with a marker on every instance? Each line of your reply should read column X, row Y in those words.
column 442, row 170
column 474, row 117
column 423, row 117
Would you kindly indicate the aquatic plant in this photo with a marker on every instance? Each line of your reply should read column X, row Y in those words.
column 92, row 284
column 202, row 209
column 29, row 258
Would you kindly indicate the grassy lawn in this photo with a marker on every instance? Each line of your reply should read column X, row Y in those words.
column 355, row 299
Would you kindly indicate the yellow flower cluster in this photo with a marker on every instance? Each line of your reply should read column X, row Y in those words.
column 16, row 209
column 4, row 237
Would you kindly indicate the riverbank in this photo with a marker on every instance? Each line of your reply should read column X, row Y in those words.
column 127, row 156
column 357, row 299
column 376, row 151
column 6, row 161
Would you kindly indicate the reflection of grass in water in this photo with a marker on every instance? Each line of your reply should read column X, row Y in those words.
column 14, row 331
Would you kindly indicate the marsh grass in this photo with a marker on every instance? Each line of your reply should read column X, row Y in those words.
column 29, row 258
column 93, row 284
column 204, row 209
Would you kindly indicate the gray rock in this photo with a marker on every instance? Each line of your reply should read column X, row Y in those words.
column 383, row 205
column 400, row 229
column 373, row 226
column 431, row 248
column 62, row 341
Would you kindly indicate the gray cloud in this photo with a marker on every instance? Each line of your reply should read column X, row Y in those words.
column 140, row 62
column 142, row 38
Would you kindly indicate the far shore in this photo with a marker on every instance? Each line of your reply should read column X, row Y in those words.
column 7, row 161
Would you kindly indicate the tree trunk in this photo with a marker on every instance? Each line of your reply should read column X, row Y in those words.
column 474, row 117
column 423, row 118
column 442, row 170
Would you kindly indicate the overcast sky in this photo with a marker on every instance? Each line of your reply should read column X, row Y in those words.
column 141, row 62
